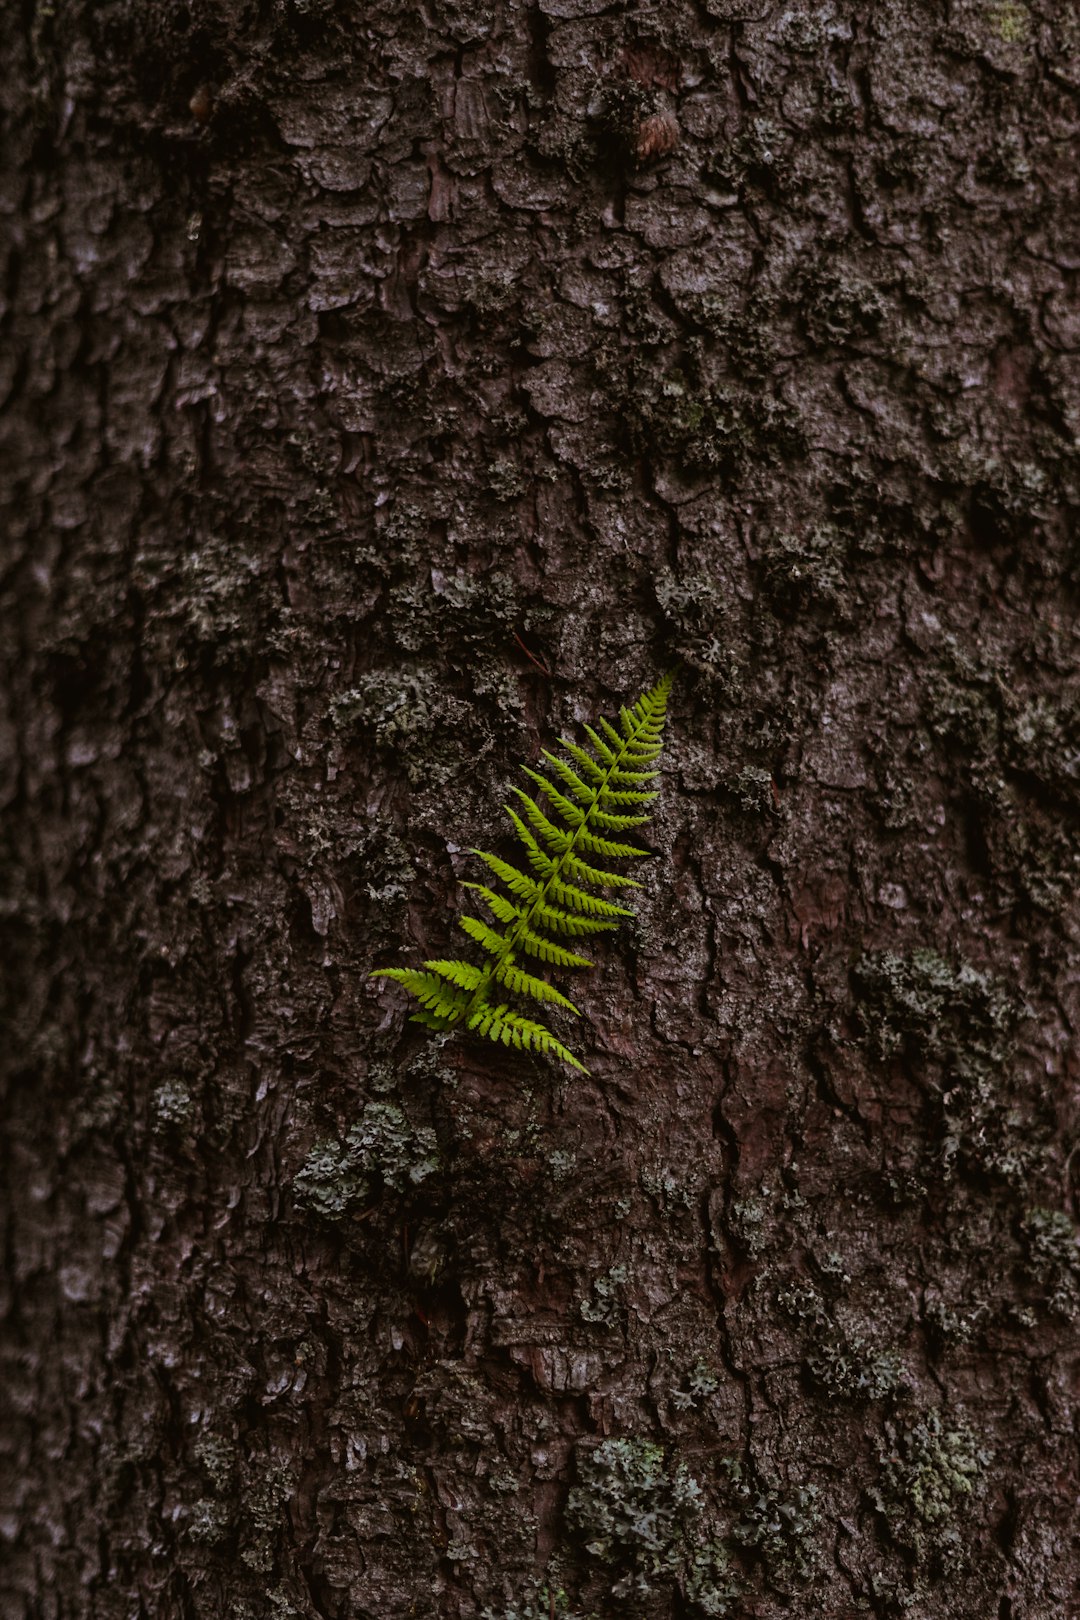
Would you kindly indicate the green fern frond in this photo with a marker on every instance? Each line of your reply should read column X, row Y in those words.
column 612, row 823
column 463, row 974
column 605, row 847
column 558, row 842
column 575, row 868
column 591, row 793
column 568, row 922
column 537, row 859
column 500, row 1024
column 431, row 1020
column 558, row 922
column 591, row 904
column 504, row 909
column 581, row 790
column 483, row 935
column 607, row 758
column 573, row 813
column 547, row 950
column 518, row 882
column 527, row 984
column 595, row 772
column 617, row 742
column 429, row 990
column 609, row 795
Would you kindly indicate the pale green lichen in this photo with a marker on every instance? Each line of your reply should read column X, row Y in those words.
column 701, row 618
column 1011, row 22
column 217, row 1455
column 932, row 1471
column 561, row 1165
column 697, row 417
column 382, row 1148
column 173, row 1106
column 948, row 1325
column 801, row 572
column 538, row 1601
column 758, row 157
column 646, row 1522
column 409, row 714
column 262, row 1515
column 329, row 1182
column 1053, row 1259
column 701, row 1382
column 208, row 1522
column 755, row 791
column 956, row 1027
column 922, row 1006
column 665, row 1188
column 750, row 1225
column 1050, row 1235
column 505, row 479
column 778, row 1525
column 848, row 1367
column 602, row 1301
column 840, row 1360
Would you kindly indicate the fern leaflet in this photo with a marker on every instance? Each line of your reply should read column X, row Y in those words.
column 592, row 793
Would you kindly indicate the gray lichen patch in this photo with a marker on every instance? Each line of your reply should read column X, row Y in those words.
column 602, row 1302
column 1020, row 773
column 646, row 1521
column 923, row 1007
column 848, row 1367
column 701, row 424
column 1050, row 1240
column 407, row 714
column 538, row 1600
column 933, row 1472
column 381, row 1150
column 706, row 628
column 804, row 573
column 958, row 1029
column 263, row 1504
column 174, row 1106
column 778, row 1527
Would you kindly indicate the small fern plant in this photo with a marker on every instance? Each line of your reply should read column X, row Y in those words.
column 587, row 795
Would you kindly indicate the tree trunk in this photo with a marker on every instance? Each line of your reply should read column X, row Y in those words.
column 386, row 393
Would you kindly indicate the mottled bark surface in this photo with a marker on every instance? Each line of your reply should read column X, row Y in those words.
column 349, row 352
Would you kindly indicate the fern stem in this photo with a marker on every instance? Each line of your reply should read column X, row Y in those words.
column 479, row 995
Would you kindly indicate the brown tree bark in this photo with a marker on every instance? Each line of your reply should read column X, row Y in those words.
column 385, row 391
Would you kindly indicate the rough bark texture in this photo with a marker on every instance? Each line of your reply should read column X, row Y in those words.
column 352, row 354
